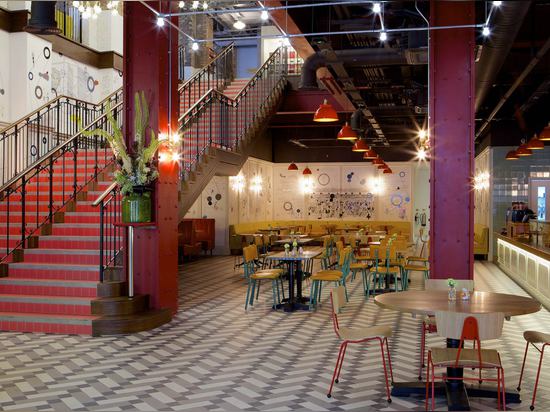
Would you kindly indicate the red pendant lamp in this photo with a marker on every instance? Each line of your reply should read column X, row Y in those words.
column 292, row 166
column 307, row 171
column 325, row 113
column 377, row 161
column 387, row 171
column 360, row 146
column 535, row 143
column 545, row 134
column 370, row 155
column 346, row 133
column 512, row 155
column 382, row 166
column 522, row 150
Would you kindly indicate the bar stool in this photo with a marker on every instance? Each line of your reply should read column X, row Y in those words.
column 532, row 338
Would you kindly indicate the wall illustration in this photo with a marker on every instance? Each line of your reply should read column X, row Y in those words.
column 341, row 205
column 396, row 200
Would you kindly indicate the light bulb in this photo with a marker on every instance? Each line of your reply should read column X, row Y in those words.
column 162, row 136
column 497, row 3
column 486, row 31
column 195, row 46
column 421, row 154
column 97, row 8
column 264, row 15
column 160, row 21
column 81, row 8
column 181, row 4
column 422, row 134
column 383, row 36
column 376, row 7
column 204, row 5
column 239, row 25
column 286, row 41
column 175, row 137
column 175, row 156
column 76, row 4
column 195, row 4
column 110, row 5
column 163, row 157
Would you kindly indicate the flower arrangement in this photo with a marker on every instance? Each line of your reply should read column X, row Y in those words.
column 136, row 167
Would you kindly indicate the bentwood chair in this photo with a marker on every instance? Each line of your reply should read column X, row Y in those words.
column 428, row 323
column 357, row 335
column 338, row 276
column 254, row 278
column 532, row 338
column 465, row 326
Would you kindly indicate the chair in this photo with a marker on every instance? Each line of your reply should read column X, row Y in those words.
column 532, row 338
column 465, row 326
column 254, row 277
column 388, row 264
column 327, row 253
column 338, row 276
column 421, row 266
column 357, row 335
column 428, row 323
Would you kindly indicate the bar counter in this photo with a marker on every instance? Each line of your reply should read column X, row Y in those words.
column 527, row 264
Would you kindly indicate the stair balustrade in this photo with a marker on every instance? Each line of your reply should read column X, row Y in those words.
column 216, row 120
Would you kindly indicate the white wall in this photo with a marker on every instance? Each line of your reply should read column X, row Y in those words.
column 421, row 198
column 4, row 77
column 104, row 33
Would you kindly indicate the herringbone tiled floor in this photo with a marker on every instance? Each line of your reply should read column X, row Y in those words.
column 216, row 356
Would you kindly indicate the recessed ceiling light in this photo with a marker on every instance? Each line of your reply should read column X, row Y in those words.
column 239, row 25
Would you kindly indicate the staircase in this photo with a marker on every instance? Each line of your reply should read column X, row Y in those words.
column 60, row 253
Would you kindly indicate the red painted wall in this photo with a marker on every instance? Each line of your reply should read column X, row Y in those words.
column 149, row 66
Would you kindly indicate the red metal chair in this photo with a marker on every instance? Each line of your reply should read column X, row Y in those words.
column 357, row 335
column 449, row 325
column 533, row 337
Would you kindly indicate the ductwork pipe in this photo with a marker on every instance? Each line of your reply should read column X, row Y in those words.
column 359, row 57
column 505, row 26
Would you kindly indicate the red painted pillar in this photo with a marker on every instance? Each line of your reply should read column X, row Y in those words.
column 150, row 64
column 452, row 139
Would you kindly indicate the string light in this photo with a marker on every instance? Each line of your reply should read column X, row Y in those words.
column 264, row 15
column 421, row 154
column 239, row 25
column 486, row 31
column 383, row 36
column 195, row 46
column 181, row 4
column 160, row 21
column 92, row 9
column 195, row 4
column 204, row 5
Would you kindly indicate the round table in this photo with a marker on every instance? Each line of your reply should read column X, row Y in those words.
column 427, row 302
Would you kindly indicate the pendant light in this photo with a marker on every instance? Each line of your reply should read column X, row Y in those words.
column 307, row 171
column 512, row 155
column 370, row 155
column 522, row 150
column 346, row 133
column 545, row 134
column 535, row 143
column 377, row 161
column 387, row 171
column 292, row 166
column 360, row 146
column 381, row 166
column 325, row 113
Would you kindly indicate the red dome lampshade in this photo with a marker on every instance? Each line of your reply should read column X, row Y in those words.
column 545, row 134
column 522, row 150
column 292, row 166
column 535, row 143
column 307, row 171
column 512, row 155
column 370, row 155
column 360, row 146
column 377, row 161
column 387, row 171
column 325, row 113
column 346, row 133
column 381, row 167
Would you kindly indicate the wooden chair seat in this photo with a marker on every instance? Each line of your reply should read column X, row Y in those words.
column 417, row 259
column 532, row 336
column 468, row 357
column 358, row 266
column 365, row 333
column 419, row 268
column 265, row 275
column 383, row 269
column 363, row 258
column 327, row 277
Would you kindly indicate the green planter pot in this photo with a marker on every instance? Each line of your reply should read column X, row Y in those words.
column 136, row 208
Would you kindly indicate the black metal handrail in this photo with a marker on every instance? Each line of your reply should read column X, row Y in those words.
column 219, row 121
column 110, row 243
column 74, row 164
column 29, row 140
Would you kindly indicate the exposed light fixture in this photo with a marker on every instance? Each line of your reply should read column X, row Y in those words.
column 76, row 4
column 360, row 146
column 237, row 182
column 181, row 4
column 176, row 157
column 422, row 134
column 486, row 31
column 292, row 166
column 325, row 113
column 346, row 133
column 256, row 184
column 383, row 36
column 195, row 46
column 522, row 150
column 307, row 171
column 482, row 181
column 497, row 3
column 92, row 9
column 512, row 155
column 545, row 134
column 160, row 21
column 370, row 155
column 204, row 5
column 377, row 161
column 195, row 4
column 97, row 8
column 535, row 143
column 381, row 166
column 239, row 25
column 387, row 171
column 421, row 154
column 264, row 15
column 286, row 41
column 376, row 7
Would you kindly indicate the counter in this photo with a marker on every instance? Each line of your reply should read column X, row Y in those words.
column 527, row 264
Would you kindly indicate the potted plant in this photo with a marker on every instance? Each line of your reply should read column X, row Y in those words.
column 136, row 169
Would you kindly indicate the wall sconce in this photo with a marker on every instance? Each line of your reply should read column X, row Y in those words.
column 237, row 183
column 170, row 147
column 482, row 181
column 256, row 184
column 307, row 184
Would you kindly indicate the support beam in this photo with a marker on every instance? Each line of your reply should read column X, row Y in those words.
column 151, row 65
column 452, row 137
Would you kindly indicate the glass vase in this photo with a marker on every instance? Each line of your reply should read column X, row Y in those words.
column 136, row 207
column 452, row 293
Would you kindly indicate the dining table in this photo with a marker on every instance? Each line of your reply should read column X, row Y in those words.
column 424, row 303
column 295, row 263
column 299, row 240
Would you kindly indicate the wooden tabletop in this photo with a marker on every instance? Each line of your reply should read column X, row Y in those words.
column 299, row 240
column 428, row 302
column 308, row 253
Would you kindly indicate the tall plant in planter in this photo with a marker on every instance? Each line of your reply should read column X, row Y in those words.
column 136, row 169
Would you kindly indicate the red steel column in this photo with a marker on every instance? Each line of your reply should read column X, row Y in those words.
column 150, row 64
column 452, row 139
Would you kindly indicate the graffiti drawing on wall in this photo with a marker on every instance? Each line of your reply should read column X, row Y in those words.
column 397, row 202
column 341, row 205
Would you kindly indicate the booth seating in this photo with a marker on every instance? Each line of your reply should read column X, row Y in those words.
column 481, row 239
column 196, row 235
